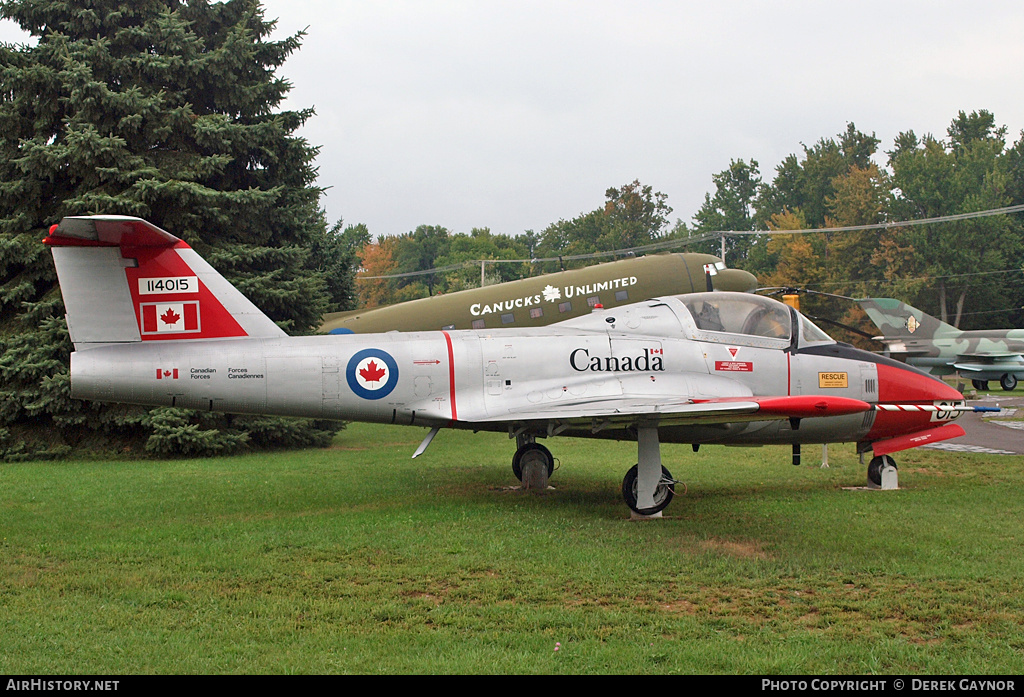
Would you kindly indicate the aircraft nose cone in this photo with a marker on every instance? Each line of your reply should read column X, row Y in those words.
column 898, row 385
column 734, row 280
column 901, row 390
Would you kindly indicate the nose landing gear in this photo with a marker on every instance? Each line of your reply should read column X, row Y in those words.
column 882, row 473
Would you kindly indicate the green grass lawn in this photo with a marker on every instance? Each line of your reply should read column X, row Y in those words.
column 357, row 559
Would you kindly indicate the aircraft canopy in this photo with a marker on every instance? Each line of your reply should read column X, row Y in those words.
column 739, row 313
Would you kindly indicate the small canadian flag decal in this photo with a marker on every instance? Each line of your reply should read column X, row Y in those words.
column 170, row 318
column 164, row 374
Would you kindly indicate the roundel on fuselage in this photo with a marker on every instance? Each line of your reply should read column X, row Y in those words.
column 372, row 373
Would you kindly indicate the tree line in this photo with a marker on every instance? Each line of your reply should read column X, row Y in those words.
column 965, row 272
column 171, row 111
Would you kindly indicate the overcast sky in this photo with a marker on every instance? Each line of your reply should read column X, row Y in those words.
column 515, row 114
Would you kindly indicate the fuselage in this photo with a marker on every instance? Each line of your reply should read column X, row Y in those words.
column 976, row 354
column 544, row 300
column 484, row 379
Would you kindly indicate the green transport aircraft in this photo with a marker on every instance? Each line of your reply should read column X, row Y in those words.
column 550, row 298
column 941, row 349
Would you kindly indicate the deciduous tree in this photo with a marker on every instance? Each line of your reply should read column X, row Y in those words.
column 932, row 178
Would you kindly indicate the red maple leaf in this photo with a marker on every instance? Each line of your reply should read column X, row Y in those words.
column 371, row 373
column 170, row 317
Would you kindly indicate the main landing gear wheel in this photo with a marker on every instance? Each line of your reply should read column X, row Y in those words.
column 529, row 454
column 662, row 495
column 1008, row 382
column 876, row 466
column 980, row 384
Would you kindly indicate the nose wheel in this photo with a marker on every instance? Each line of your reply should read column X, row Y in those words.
column 882, row 472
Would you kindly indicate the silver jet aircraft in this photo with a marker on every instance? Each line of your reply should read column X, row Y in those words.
column 154, row 324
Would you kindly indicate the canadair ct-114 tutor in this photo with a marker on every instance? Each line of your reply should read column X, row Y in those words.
column 154, row 324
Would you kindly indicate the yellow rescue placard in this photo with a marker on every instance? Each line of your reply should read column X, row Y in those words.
column 833, row 380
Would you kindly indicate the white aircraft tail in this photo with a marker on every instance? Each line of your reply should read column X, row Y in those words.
column 126, row 280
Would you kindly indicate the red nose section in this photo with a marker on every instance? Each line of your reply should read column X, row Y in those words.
column 910, row 388
column 907, row 386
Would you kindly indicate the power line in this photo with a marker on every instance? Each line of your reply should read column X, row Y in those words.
column 877, row 226
column 991, row 312
column 887, row 282
column 631, row 251
column 705, row 237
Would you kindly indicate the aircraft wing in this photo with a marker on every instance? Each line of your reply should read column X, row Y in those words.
column 987, row 361
column 899, row 346
column 619, row 411
column 991, row 356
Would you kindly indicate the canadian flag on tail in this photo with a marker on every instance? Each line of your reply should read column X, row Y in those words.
column 161, row 318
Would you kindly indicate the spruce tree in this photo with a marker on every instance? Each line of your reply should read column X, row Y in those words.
column 167, row 110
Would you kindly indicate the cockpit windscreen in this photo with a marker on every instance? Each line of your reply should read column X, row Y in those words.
column 752, row 315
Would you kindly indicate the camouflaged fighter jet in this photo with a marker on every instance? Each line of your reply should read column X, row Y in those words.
column 930, row 344
column 154, row 324
column 555, row 297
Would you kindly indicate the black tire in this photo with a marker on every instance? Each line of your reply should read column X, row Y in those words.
column 1008, row 381
column 662, row 495
column 875, row 468
column 528, row 451
column 980, row 384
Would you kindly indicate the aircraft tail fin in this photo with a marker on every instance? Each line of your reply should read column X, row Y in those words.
column 896, row 319
column 125, row 280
